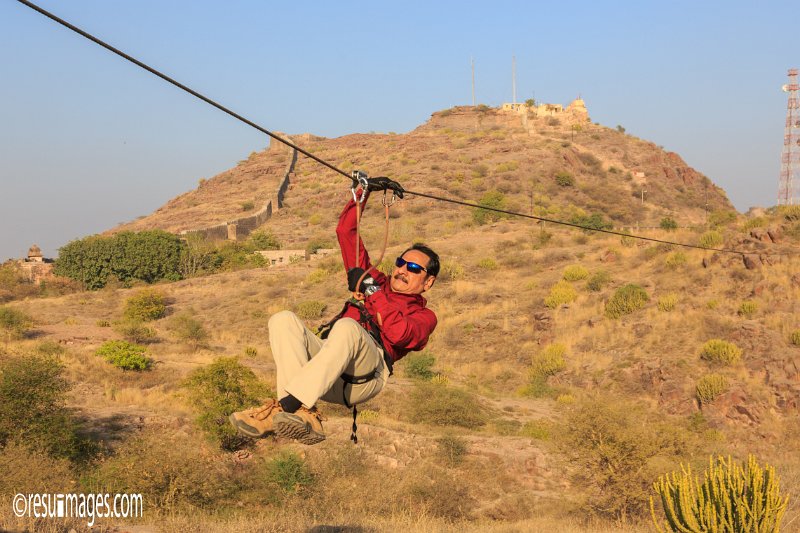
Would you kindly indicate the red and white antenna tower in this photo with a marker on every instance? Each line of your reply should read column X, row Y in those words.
column 790, row 157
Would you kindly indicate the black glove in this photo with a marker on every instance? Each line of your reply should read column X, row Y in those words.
column 368, row 286
column 383, row 183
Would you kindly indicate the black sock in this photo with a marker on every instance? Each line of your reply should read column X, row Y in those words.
column 290, row 404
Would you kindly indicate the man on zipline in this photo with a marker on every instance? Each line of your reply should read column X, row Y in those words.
column 385, row 319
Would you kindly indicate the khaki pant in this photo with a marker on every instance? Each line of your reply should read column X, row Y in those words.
column 310, row 369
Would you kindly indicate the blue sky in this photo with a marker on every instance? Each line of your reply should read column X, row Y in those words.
column 89, row 140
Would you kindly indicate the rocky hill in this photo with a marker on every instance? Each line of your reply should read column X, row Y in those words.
column 463, row 153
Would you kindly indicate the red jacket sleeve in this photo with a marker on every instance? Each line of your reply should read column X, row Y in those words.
column 347, row 235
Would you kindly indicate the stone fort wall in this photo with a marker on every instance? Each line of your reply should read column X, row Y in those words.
column 242, row 227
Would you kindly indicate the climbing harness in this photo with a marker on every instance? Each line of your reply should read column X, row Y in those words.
column 368, row 323
column 366, row 320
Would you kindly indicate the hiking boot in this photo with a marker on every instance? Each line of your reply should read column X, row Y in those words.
column 304, row 425
column 258, row 421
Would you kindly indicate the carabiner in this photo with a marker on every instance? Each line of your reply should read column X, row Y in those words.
column 391, row 202
column 359, row 179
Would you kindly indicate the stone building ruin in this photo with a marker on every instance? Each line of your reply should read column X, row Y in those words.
column 35, row 267
column 575, row 112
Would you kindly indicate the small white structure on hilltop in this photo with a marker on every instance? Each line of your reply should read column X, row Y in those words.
column 576, row 110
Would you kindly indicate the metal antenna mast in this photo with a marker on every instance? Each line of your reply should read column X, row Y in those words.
column 790, row 156
column 473, row 81
column 514, row 79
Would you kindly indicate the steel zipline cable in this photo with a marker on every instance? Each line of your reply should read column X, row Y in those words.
column 179, row 85
column 342, row 172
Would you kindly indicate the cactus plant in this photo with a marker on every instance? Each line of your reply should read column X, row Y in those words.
column 731, row 498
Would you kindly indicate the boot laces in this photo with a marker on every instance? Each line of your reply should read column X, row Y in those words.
column 264, row 411
column 316, row 413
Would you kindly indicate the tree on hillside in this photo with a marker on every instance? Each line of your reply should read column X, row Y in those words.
column 147, row 256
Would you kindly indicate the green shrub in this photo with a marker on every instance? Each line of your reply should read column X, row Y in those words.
column 536, row 429
column 626, row 300
column 480, row 171
column 188, row 329
column 794, row 337
column 145, row 306
column 103, row 324
column 544, row 364
column 564, row 179
column 508, row 166
column 747, row 309
column 598, row 280
column 419, row 365
column 310, row 310
column 492, row 199
column 487, row 264
column 575, row 273
column 566, row 398
column 125, row 355
column 450, row 271
column 231, row 255
column 289, row 472
column 675, row 260
column 591, row 222
column 755, row 222
column 730, row 497
column 721, row 217
column 14, row 324
column 789, row 212
column 219, row 389
column 710, row 239
column 548, row 362
column 668, row 223
column 172, row 471
column 135, row 331
column 667, row 302
column 263, row 240
column 248, row 205
column 318, row 243
column 250, row 351
column 33, row 412
column 711, row 386
column 612, row 448
column 148, row 256
column 561, row 293
column 506, row 427
column 452, row 449
column 720, row 351
column 441, row 405
column 51, row 348
column 319, row 275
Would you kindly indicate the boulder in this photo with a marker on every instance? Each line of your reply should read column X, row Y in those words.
column 751, row 262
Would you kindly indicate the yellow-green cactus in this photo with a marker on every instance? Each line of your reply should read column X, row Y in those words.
column 731, row 498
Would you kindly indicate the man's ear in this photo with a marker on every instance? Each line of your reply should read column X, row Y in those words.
column 429, row 283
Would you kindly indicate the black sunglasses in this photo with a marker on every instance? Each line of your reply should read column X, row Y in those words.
column 410, row 266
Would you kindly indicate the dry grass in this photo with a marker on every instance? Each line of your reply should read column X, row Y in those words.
column 490, row 324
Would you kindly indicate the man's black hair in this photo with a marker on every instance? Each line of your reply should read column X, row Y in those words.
column 433, row 263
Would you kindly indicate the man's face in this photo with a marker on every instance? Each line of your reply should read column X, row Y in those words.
column 405, row 282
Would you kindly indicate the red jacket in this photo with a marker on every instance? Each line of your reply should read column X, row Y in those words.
column 406, row 322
